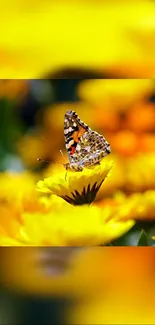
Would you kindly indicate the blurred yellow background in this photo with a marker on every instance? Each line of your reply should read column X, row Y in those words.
column 41, row 38
column 101, row 286
column 81, row 50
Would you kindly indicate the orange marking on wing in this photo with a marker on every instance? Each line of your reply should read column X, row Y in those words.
column 78, row 134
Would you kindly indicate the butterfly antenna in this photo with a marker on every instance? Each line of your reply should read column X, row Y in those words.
column 43, row 160
column 64, row 164
column 49, row 162
column 62, row 155
column 66, row 175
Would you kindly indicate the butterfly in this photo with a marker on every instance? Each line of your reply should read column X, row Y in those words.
column 85, row 147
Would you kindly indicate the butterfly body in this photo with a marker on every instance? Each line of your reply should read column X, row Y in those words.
column 85, row 147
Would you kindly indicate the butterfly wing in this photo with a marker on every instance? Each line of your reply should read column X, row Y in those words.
column 98, row 149
column 83, row 145
column 74, row 129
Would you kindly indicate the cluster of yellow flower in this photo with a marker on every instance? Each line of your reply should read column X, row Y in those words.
column 68, row 219
column 48, row 221
column 86, row 208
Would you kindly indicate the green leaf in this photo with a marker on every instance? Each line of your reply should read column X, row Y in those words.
column 143, row 240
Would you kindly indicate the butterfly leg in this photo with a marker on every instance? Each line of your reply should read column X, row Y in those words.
column 66, row 176
column 77, row 167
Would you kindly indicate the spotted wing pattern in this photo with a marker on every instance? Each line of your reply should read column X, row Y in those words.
column 84, row 146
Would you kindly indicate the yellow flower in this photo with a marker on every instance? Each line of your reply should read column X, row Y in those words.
column 114, row 94
column 130, row 174
column 17, row 186
column 140, row 172
column 78, row 187
column 18, row 194
column 49, row 220
column 67, row 226
column 137, row 206
column 115, row 181
column 140, row 205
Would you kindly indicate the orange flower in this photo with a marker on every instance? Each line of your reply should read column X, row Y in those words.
column 114, row 94
column 105, row 119
column 141, row 117
column 147, row 143
column 125, row 143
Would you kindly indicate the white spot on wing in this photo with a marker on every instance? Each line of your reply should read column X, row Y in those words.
column 78, row 147
column 87, row 148
column 69, row 144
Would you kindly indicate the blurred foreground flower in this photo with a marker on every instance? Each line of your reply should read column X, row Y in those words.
column 18, row 195
column 80, row 187
column 18, row 189
column 116, row 294
column 27, row 54
column 51, row 221
column 41, row 271
column 55, row 261
column 65, row 225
